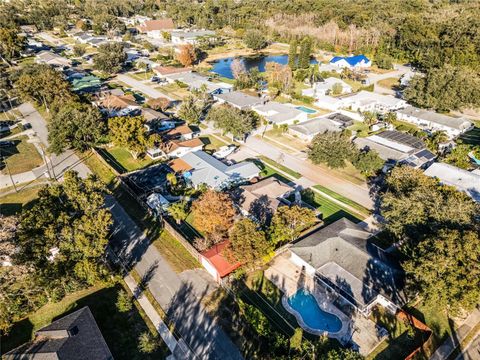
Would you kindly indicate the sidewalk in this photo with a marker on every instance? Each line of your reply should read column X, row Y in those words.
column 451, row 343
column 178, row 350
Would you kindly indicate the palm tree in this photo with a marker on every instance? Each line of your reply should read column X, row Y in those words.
column 434, row 140
column 313, row 74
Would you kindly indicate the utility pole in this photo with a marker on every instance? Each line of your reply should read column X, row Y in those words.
column 8, row 170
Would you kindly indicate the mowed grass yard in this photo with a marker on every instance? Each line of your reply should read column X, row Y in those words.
column 389, row 83
column 15, row 202
column 123, row 161
column 21, row 157
column 120, row 330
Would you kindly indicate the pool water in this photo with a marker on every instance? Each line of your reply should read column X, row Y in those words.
column 315, row 318
column 305, row 109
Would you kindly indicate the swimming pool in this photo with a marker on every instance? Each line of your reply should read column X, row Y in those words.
column 305, row 109
column 305, row 304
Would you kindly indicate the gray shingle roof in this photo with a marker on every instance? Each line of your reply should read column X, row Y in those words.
column 239, row 99
column 73, row 337
column 342, row 254
column 445, row 120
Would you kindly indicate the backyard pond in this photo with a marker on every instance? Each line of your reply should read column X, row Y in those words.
column 223, row 66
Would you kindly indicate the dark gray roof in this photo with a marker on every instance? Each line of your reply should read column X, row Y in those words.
column 73, row 337
column 345, row 258
column 341, row 119
column 402, row 138
column 149, row 179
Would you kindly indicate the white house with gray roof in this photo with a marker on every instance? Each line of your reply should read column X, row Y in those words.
column 279, row 114
column 342, row 258
column 205, row 169
column 239, row 100
column 325, row 87
column 463, row 180
column 432, row 121
column 183, row 37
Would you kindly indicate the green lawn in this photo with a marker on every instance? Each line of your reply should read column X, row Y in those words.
column 15, row 202
column 344, row 200
column 330, row 210
column 286, row 170
column 21, row 157
column 389, row 83
column 120, row 330
column 97, row 166
column 125, row 159
column 175, row 253
column 399, row 344
column 142, row 75
column 212, row 143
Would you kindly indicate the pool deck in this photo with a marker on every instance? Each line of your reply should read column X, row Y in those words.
column 356, row 329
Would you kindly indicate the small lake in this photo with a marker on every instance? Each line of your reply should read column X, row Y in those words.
column 222, row 66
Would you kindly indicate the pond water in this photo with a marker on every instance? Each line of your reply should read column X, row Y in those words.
column 222, row 66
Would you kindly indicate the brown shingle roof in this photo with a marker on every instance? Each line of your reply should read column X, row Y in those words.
column 178, row 165
column 168, row 70
column 160, row 24
column 119, row 102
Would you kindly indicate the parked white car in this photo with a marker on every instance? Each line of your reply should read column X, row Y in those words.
column 224, row 151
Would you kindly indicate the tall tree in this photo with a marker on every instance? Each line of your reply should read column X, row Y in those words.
column 130, row 132
column 187, row 55
column 213, row 214
column 331, row 148
column 43, row 85
column 279, row 76
column 10, row 43
column 232, row 121
column 179, row 211
column 110, row 58
column 459, row 156
column 305, row 53
column 292, row 54
column 190, row 110
column 289, row 222
column 368, row 162
column 438, row 228
column 247, row 243
column 255, row 40
column 75, row 125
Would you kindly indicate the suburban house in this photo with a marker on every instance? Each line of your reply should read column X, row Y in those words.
column 155, row 28
column 82, row 37
column 308, row 129
column 122, row 105
column 175, row 148
column 463, row 180
column 260, row 200
column 183, row 37
column 369, row 101
column 151, row 115
column 195, row 81
column 432, row 121
column 325, row 87
column 351, row 62
column 50, row 58
column 86, row 83
column 341, row 258
column 134, row 20
column 277, row 113
column 72, row 337
column 329, row 68
column 199, row 168
column 183, row 132
column 328, row 102
column 148, row 180
column 397, row 148
column 238, row 99
column 163, row 71
column 216, row 262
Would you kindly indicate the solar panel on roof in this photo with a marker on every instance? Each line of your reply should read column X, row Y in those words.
column 402, row 138
column 426, row 154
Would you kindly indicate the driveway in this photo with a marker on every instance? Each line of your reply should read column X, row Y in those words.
column 146, row 89
column 179, row 295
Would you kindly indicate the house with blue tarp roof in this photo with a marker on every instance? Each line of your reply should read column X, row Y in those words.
column 351, row 62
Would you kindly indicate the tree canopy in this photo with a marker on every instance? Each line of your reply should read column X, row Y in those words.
column 190, row 110
column 247, row 243
column 213, row 215
column 232, row 120
column 330, row 148
column 254, row 39
column 110, row 58
column 289, row 221
column 75, row 125
column 187, row 55
column 438, row 228
column 130, row 132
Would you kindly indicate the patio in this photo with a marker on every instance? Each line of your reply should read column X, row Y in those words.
column 356, row 329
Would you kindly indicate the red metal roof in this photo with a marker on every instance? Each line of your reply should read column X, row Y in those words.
column 220, row 262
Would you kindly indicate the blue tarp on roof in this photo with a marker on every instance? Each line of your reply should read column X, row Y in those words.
column 352, row 60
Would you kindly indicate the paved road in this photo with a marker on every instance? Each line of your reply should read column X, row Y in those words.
column 449, row 345
column 472, row 352
column 178, row 294
column 57, row 164
column 358, row 193
column 142, row 87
